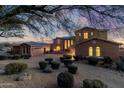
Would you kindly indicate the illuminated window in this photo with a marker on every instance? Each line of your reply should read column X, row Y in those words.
column 85, row 35
column 91, row 33
column 69, row 43
column 72, row 42
column 97, row 51
column 58, row 48
column 65, row 44
column 90, row 51
column 79, row 34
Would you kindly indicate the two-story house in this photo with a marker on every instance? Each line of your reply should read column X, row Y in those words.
column 61, row 44
column 94, row 42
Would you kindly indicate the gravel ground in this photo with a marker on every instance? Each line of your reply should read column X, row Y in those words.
column 112, row 78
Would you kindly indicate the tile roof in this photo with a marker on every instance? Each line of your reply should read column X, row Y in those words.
column 36, row 44
column 70, row 37
column 100, row 40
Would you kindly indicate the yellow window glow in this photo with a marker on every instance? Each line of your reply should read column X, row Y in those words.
column 69, row 43
column 72, row 42
column 85, row 35
column 90, row 51
column 97, row 51
column 58, row 48
column 65, row 44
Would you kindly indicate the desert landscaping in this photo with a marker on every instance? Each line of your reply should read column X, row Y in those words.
column 39, row 79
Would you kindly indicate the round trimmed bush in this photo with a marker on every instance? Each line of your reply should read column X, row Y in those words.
column 88, row 83
column 72, row 69
column 98, row 84
column 55, row 65
column 65, row 80
column 49, row 60
column 43, row 65
column 67, row 56
column 14, row 68
column 93, row 60
column 107, row 60
column 3, row 57
column 67, row 62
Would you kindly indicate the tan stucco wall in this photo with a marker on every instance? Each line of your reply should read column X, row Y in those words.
column 107, row 49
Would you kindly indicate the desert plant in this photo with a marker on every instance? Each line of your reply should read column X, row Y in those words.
column 72, row 69
column 43, row 65
column 16, row 57
column 92, row 60
column 55, row 65
column 14, row 68
column 88, row 83
column 49, row 60
column 65, row 80
column 67, row 62
column 120, row 65
column 3, row 57
column 107, row 60
column 67, row 56
column 98, row 84
column 62, row 59
column 26, row 56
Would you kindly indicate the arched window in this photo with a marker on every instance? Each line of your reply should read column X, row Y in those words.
column 72, row 42
column 90, row 51
column 65, row 44
column 85, row 35
column 97, row 51
column 69, row 43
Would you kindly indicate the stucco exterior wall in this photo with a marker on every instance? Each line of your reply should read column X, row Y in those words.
column 107, row 49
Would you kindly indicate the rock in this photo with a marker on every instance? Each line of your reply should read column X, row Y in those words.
column 48, row 70
column 2, row 71
column 24, row 76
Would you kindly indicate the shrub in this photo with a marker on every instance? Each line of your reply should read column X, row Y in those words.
column 55, row 65
column 72, row 69
column 92, row 60
column 14, row 68
column 67, row 62
column 98, row 84
column 120, row 65
column 88, row 83
column 107, row 60
column 65, row 80
column 49, row 60
column 67, row 56
column 26, row 56
column 3, row 57
column 62, row 59
column 43, row 65
column 16, row 57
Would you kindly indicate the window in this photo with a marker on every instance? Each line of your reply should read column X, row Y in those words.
column 65, row 44
column 79, row 34
column 72, row 42
column 85, row 35
column 58, row 48
column 90, row 51
column 91, row 33
column 69, row 43
column 97, row 51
